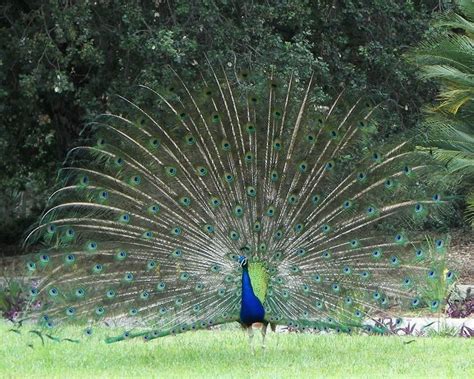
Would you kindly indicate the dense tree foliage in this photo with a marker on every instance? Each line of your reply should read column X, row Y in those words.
column 62, row 62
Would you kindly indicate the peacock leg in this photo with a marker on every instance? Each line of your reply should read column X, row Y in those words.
column 264, row 333
column 273, row 328
column 250, row 334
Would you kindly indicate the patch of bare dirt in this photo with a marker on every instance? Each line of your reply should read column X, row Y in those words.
column 461, row 255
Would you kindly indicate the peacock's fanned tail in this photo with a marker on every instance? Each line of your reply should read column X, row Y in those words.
column 152, row 215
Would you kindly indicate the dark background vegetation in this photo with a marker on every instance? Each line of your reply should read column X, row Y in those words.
column 61, row 62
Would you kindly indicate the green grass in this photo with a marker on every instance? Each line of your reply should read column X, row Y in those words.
column 227, row 354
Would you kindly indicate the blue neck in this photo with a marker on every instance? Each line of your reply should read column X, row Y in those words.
column 251, row 309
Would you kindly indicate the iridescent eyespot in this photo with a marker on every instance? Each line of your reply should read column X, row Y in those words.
column 171, row 171
column 51, row 228
column 301, row 252
column 355, row 243
column 419, row 253
column 154, row 142
column 121, row 255
column 103, row 195
column 270, row 211
column 238, row 210
column 185, row 201
column 329, row 166
column 303, row 166
column 125, row 218
column 208, row 228
column 389, row 183
column 97, row 268
column 189, row 139
column 177, row 253
column 248, row 157
column 376, row 157
column 84, row 180
column 31, row 266
column 201, row 171
column 135, row 180
column 257, row 226
column 298, row 228
column 91, row 246
column 251, row 191
column 361, row 176
column 176, row 231
column 215, row 202
column 377, row 253
column 277, row 144
column 274, row 176
column 347, row 204
column 148, row 234
column 70, row 258
column 292, row 199
column 215, row 117
column 110, row 294
column 278, row 235
column 225, row 145
column 250, row 128
column 144, row 295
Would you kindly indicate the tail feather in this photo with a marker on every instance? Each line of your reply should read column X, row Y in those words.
column 154, row 211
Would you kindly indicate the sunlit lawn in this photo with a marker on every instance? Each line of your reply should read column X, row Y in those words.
column 227, row 354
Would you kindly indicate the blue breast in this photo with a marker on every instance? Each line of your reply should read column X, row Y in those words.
column 251, row 309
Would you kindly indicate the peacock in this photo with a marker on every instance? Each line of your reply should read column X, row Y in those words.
column 239, row 197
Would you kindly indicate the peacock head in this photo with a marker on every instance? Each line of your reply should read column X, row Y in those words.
column 243, row 261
